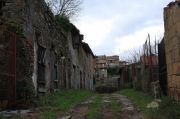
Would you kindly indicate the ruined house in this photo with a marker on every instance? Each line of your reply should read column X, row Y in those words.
column 100, row 68
column 130, row 76
column 141, row 75
column 81, row 71
column 113, row 61
column 43, row 57
column 172, row 48
column 103, row 63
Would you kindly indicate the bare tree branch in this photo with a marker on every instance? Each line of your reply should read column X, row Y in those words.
column 68, row 8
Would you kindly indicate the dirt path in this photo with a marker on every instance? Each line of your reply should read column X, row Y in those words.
column 107, row 110
column 81, row 110
column 129, row 111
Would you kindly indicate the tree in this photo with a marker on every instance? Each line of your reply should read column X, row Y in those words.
column 67, row 8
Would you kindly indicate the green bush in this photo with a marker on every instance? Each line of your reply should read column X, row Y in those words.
column 105, row 88
column 113, row 71
column 63, row 22
column 169, row 109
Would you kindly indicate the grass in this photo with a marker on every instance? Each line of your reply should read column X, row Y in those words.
column 95, row 108
column 139, row 98
column 48, row 115
column 61, row 101
column 115, row 105
column 168, row 108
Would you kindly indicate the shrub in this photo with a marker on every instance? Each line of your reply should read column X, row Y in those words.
column 113, row 71
column 169, row 108
column 105, row 88
column 64, row 22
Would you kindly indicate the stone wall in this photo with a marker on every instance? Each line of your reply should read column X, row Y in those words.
column 40, row 32
column 172, row 48
column 81, row 56
column 59, row 59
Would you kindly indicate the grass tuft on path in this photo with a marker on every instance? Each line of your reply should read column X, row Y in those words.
column 116, row 105
column 95, row 108
column 104, row 102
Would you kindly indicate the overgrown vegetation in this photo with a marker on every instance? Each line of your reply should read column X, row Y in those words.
column 64, row 22
column 24, row 86
column 104, row 102
column 95, row 108
column 61, row 101
column 139, row 98
column 115, row 105
column 113, row 71
column 168, row 108
column 14, row 26
column 105, row 88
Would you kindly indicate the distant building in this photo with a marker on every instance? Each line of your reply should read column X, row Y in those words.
column 122, row 63
column 100, row 67
column 112, row 61
column 102, row 63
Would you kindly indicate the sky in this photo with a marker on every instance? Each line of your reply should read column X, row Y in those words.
column 113, row 27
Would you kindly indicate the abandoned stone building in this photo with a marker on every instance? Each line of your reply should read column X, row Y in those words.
column 100, row 67
column 172, row 48
column 41, row 55
column 81, row 70
column 113, row 61
column 102, row 63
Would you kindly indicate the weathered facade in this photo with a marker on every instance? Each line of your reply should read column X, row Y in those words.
column 47, row 58
column 47, row 42
column 113, row 61
column 142, row 75
column 100, row 68
column 172, row 48
column 102, row 63
column 81, row 70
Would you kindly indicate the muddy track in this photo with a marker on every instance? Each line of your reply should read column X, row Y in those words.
column 129, row 110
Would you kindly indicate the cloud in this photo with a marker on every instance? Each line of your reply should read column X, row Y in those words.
column 114, row 27
column 95, row 30
column 137, row 39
